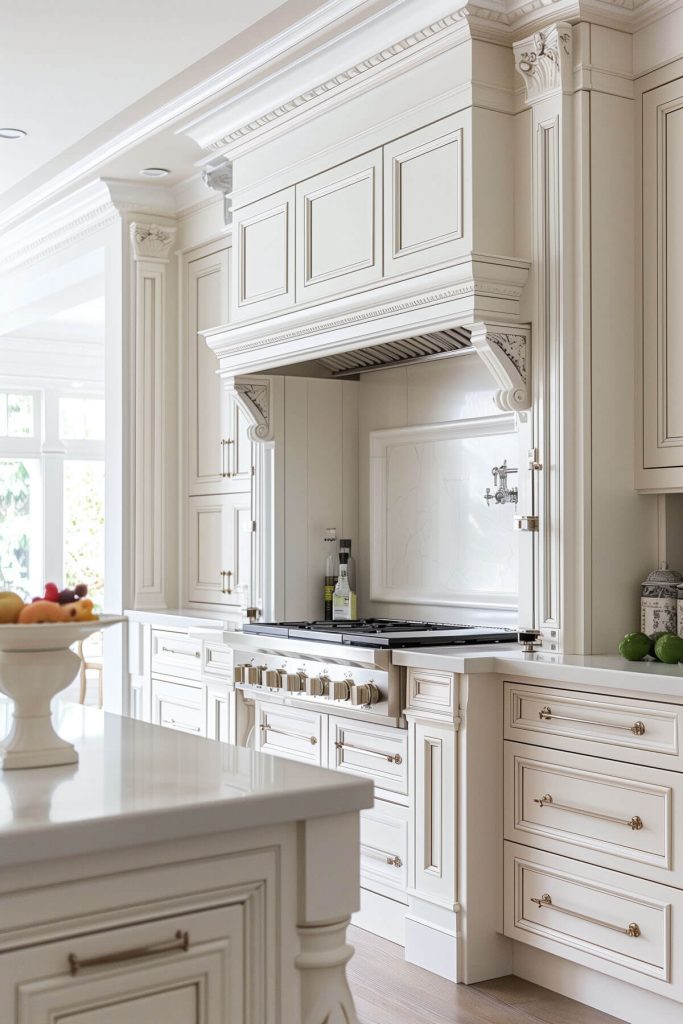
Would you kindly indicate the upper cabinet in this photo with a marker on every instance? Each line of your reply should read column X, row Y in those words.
column 423, row 198
column 660, row 465
column 339, row 228
column 263, row 275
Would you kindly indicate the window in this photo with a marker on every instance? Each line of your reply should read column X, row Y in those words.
column 51, row 491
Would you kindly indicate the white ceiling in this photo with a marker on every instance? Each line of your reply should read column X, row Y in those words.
column 74, row 73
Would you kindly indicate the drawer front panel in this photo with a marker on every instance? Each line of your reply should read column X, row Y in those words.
column 376, row 752
column 603, row 806
column 432, row 690
column 644, row 732
column 176, row 654
column 384, row 850
column 217, row 660
column 177, row 707
column 291, row 732
column 595, row 917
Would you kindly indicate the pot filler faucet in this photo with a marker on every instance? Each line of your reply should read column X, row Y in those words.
column 503, row 494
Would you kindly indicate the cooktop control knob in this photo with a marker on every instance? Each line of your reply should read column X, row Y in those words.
column 293, row 682
column 252, row 674
column 365, row 694
column 272, row 678
column 316, row 686
column 340, row 689
column 239, row 673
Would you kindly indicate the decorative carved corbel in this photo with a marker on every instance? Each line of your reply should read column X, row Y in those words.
column 544, row 60
column 253, row 395
column 505, row 351
column 152, row 242
column 218, row 176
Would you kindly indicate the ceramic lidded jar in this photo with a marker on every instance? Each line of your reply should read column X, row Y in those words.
column 658, row 600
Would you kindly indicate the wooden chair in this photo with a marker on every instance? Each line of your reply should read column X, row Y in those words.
column 92, row 662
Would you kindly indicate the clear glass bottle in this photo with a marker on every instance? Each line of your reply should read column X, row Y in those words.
column 331, row 572
column 345, row 546
column 344, row 599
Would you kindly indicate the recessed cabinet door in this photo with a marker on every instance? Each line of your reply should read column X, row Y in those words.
column 339, row 228
column 263, row 272
column 662, row 320
column 207, row 306
column 238, row 456
column 186, row 969
column 220, row 549
column 424, row 222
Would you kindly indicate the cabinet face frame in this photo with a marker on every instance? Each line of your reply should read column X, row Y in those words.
column 367, row 170
column 244, row 302
column 433, row 250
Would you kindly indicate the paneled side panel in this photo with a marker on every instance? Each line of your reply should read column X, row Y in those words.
column 434, row 853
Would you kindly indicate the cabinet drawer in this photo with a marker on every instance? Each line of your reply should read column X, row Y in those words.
column 176, row 654
column 642, row 732
column 188, row 968
column 572, row 803
column 291, row 732
column 377, row 752
column 384, row 850
column 602, row 919
column 217, row 660
column 177, row 707
column 432, row 690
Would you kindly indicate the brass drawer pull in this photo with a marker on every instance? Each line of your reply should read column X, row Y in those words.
column 546, row 715
column 183, row 654
column 631, row 929
column 180, row 942
column 283, row 732
column 226, row 576
column 635, row 823
column 392, row 859
column 225, row 443
column 391, row 758
column 180, row 725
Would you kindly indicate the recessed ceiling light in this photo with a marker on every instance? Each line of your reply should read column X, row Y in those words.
column 12, row 133
column 155, row 172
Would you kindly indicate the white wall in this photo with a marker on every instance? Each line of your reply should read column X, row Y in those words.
column 433, row 392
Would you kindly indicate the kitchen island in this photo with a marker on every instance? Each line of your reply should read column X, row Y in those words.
column 172, row 878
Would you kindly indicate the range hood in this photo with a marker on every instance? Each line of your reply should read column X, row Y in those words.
column 407, row 350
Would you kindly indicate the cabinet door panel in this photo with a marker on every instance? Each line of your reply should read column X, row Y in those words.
column 220, row 549
column 207, row 306
column 662, row 274
column 339, row 228
column 423, row 198
column 264, row 272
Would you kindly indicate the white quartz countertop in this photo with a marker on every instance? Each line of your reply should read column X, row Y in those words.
column 138, row 783
column 606, row 671
column 186, row 618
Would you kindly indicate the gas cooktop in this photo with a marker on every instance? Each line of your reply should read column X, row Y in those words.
column 385, row 632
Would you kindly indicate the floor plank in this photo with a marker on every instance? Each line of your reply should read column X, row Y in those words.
column 387, row 990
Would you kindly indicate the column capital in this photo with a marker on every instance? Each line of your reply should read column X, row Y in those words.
column 151, row 242
column 544, row 60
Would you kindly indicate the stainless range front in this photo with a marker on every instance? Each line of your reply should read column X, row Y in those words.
column 356, row 682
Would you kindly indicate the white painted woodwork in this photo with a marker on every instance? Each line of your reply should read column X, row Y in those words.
column 295, row 733
column 599, row 725
column 175, row 654
column 217, row 660
column 177, row 707
column 220, row 712
column 339, row 228
column 608, row 897
column 374, row 751
column 433, row 848
column 384, row 850
column 220, row 542
column 662, row 300
column 204, row 984
column 431, row 692
column 611, row 794
column 424, row 218
column 263, row 277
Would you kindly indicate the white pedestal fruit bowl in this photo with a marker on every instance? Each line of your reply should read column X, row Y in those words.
column 36, row 663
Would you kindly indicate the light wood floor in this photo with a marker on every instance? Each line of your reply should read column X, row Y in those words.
column 387, row 990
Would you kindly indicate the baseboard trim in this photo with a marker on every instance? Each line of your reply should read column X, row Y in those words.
column 432, row 947
column 381, row 916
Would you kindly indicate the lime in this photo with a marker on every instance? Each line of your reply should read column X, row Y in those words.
column 635, row 646
column 669, row 649
column 654, row 637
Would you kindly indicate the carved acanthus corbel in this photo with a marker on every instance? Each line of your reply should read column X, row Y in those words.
column 218, row 176
column 506, row 352
column 253, row 395
column 544, row 60
column 152, row 242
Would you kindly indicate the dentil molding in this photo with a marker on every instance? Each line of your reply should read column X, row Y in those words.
column 544, row 60
column 505, row 352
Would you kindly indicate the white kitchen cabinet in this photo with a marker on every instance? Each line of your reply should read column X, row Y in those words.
column 661, row 466
column 263, row 268
column 220, row 712
column 186, row 969
column 339, row 228
column 424, row 217
column 177, row 707
column 294, row 733
column 220, row 542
